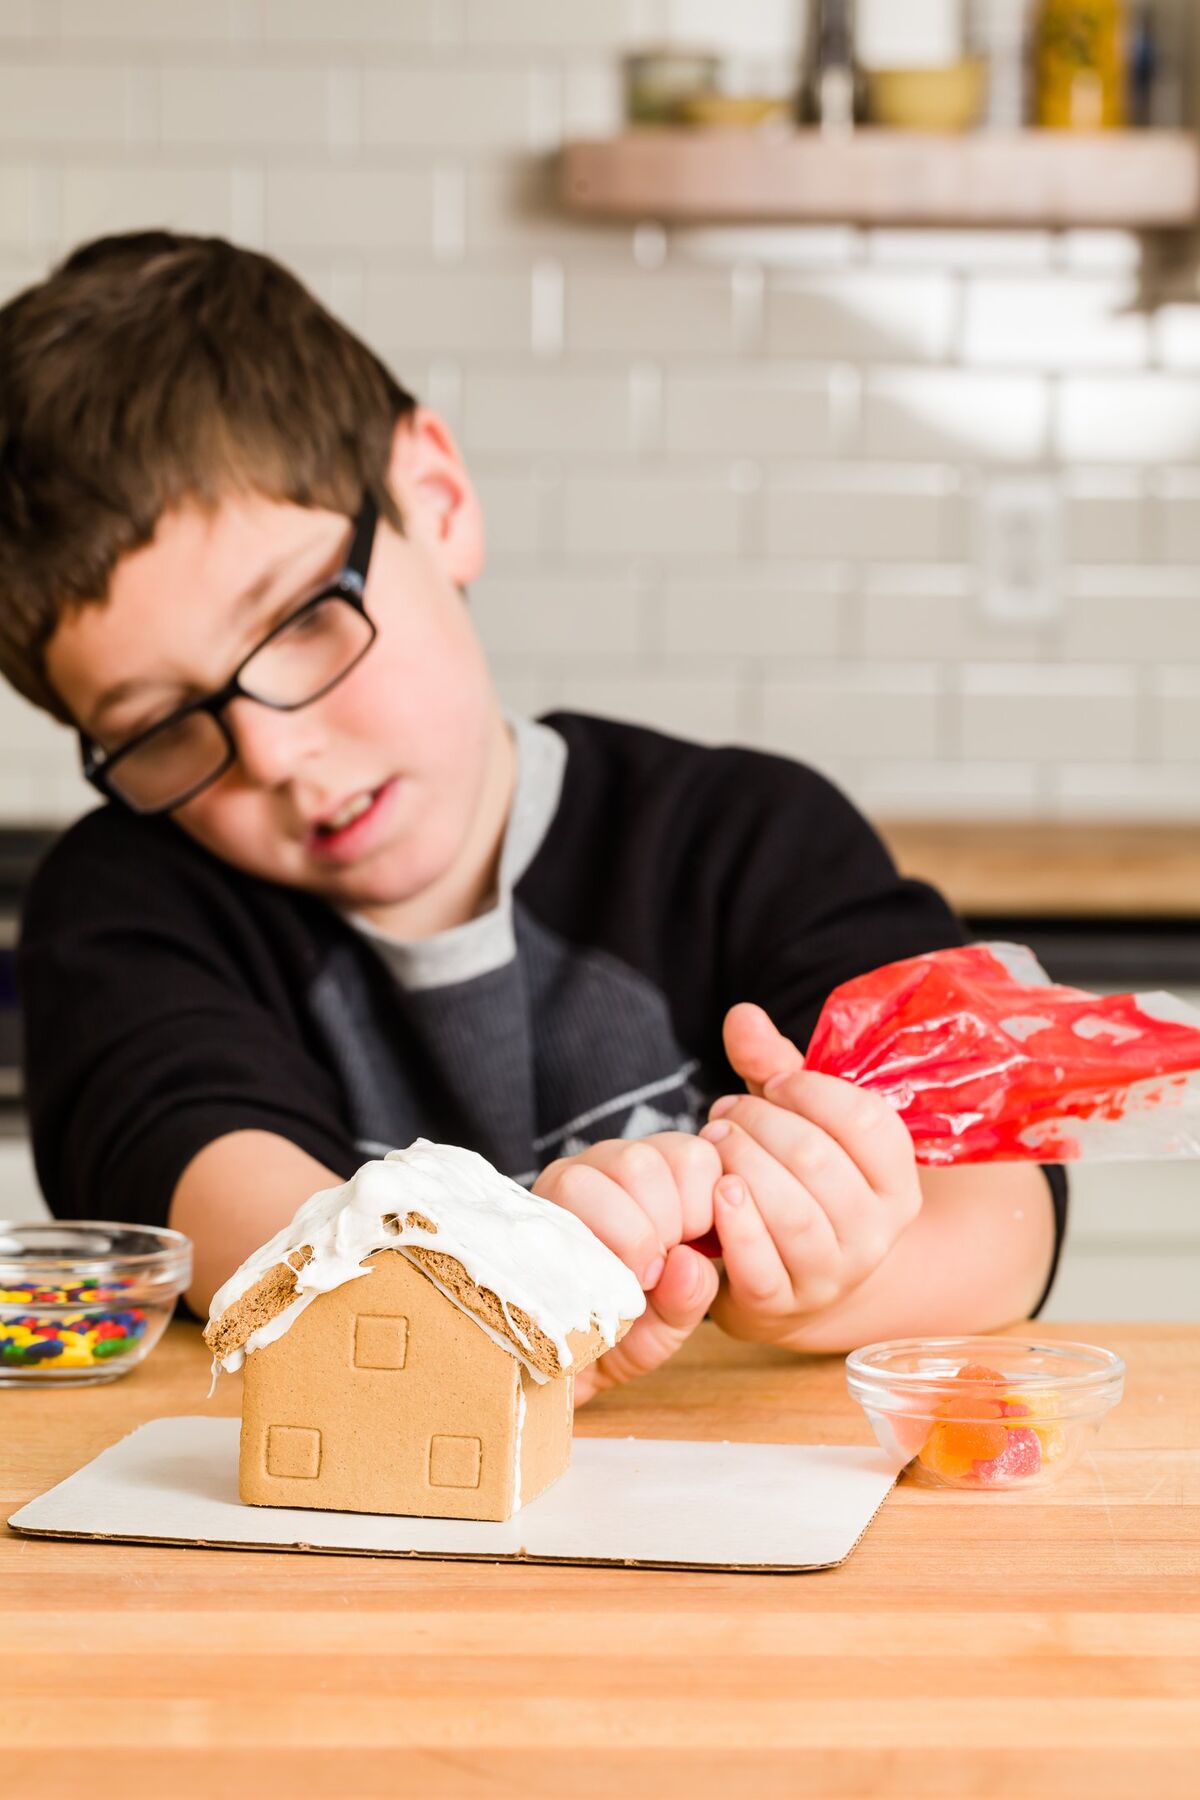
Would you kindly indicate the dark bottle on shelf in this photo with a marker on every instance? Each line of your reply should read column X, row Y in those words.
column 832, row 90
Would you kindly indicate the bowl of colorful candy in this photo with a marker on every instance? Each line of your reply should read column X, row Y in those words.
column 985, row 1413
column 82, row 1301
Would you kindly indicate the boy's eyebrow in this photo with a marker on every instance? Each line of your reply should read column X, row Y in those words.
column 245, row 602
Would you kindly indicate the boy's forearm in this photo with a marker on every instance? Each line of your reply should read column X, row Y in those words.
column 975, row 1258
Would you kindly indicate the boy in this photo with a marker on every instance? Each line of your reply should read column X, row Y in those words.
column 338, row 900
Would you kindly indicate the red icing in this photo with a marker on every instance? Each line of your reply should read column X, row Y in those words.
column 929, row 1036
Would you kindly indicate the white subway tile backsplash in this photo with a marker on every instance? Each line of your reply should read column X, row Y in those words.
column 28, row 733
column 533, row 412
column 540, row 614
column 726, row 468
column 967, row 250
column 862, row 511
column 774, row 246
column 1177, row 692
column 900, row 788
column 1042, row 713
column 18, row 19
column 16, row 199
column 655, row 512
column 1105, row 516
column 1128, row 791
column 770, row 612
column 560, row 24
column 935, row 611
column 1098, row 252
column 512, row 205
column 370, row 24
column 1055, row 323
column 756, row 28
column 647, row 313
column 698, row 707
column 1176, row 512
column 341, row 209
column 16, row 276
column 869, row 314
column 1135, row 418
column 181, row 21
column 257, row 107
column 1177, row 337
column 955, row 414
column 1146, row 792
column 51, row 104
column 593, row 99
column 467, row 109
column 746, row 411
column 104, row 197
column 448, row 313
column 1132, row 615
column 853, row 711
column 514, row 510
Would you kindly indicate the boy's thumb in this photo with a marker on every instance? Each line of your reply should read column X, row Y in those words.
column 756, row 1049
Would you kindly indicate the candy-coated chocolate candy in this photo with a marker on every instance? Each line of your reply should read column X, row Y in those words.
column 1021, row 1458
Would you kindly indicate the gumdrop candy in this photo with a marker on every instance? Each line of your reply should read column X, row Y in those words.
column 979, row 1372
column 1021, row 1458
column 955, row 1449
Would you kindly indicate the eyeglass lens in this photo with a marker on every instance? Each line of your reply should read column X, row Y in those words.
column 296, row 665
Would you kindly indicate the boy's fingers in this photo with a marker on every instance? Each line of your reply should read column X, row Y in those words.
column 695, row 1165
column 639, row 1166
column 607, row 1210
column 754, row 1270
column 688, row 1288
column 871, row 1133
column 799, row 1176
column 755, row 1048
column 685, row 1293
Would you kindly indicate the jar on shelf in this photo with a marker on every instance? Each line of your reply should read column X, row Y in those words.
column 1080, row 65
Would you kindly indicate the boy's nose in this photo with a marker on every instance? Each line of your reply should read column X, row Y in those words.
column 271, row 746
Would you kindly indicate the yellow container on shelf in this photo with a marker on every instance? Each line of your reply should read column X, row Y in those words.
column 1081, row 65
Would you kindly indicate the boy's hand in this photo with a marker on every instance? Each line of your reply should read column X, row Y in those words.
column 644, row 1198
column 819, row 1180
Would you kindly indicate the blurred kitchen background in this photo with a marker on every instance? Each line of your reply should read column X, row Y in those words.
column 877, row 449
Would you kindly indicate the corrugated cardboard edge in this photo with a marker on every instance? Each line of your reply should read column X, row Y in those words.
column 515, row 1556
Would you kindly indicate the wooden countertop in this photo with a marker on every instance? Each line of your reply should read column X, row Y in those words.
column 1048, row 870
column 1008, row 1646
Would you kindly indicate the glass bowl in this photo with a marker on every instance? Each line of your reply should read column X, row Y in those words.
column 985, row 1413
column 82, row 1301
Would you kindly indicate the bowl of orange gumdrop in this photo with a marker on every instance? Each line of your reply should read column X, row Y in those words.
column 987, row 1414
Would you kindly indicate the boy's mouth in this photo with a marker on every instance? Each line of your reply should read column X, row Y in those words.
column 350, row 831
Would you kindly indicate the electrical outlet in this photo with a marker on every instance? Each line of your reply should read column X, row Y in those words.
column 1019, row 548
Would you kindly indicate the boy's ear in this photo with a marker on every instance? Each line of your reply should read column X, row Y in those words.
column 437, row 501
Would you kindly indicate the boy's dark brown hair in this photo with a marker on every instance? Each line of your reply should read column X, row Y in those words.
column 149, row 369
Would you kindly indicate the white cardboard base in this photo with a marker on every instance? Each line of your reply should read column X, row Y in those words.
column 643, row 1501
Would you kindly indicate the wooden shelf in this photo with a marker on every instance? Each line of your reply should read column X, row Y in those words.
column 1048, row 870
column 1134, row 179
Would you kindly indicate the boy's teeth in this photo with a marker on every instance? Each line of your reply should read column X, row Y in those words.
column 347, row 814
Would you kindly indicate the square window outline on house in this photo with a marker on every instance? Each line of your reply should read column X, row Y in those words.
column 289, row 1448
column 366, row 1354
column 452, row 1462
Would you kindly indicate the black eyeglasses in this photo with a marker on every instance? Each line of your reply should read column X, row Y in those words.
column 302, row 658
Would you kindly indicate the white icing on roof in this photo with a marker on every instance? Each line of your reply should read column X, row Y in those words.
column 531, row 1254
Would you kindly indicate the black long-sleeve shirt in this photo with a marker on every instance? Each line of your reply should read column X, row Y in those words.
column 646, row 884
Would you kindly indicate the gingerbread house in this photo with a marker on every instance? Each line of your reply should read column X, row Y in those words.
column 410, row 1341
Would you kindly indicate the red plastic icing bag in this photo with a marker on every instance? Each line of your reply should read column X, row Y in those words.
column 986, row 1060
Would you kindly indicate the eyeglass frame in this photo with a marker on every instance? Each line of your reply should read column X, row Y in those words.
column 348, row 585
